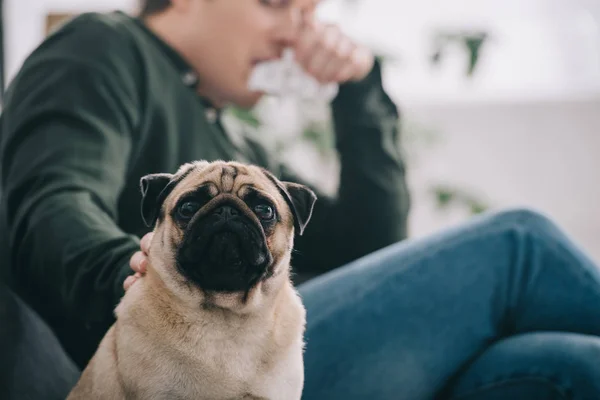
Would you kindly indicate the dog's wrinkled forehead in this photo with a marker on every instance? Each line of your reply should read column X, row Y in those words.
column 219, row 178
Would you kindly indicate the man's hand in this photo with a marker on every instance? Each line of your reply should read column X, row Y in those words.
column 139, row 261
column 330, row 56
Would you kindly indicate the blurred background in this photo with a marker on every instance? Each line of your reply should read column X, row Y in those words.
column 500, row 101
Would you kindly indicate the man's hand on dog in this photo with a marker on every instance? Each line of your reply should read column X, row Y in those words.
column 139, row 261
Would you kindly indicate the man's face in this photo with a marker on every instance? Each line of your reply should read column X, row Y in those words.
column 225, row 39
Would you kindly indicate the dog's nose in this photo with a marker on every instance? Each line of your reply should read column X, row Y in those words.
column 226, row 212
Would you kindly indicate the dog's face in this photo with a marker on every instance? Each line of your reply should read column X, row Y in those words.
column 223, row 231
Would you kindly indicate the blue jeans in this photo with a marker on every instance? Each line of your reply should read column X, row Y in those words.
column 504, row 307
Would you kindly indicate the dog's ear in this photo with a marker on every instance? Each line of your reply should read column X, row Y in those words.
column 302, row 201
column 299, row 198
column 155, row 188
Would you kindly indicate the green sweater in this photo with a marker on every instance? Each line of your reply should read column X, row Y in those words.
column 103, row 102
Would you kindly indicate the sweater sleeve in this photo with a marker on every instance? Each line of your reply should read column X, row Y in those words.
column 371, row 207
column 66, row 143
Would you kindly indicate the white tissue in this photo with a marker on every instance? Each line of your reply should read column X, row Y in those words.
column 285, row 78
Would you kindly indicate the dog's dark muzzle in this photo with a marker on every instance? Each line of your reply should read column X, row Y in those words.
column 224, row 250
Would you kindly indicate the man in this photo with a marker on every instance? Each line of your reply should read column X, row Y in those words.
column 110, row 98
column 502, row 307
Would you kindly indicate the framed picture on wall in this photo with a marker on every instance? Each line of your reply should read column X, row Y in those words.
column 54, row 20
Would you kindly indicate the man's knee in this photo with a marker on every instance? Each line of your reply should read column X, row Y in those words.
column 525, row 222
column 523, row 218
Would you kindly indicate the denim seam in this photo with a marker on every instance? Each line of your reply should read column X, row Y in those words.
column 493, row 385
column 557, row 247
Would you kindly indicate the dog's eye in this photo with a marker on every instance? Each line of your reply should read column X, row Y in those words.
column 264, row 211
column 188, row 209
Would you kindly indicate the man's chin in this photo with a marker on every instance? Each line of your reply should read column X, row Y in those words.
column 247, row 100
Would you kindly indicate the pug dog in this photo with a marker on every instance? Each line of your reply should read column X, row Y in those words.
column 216, row 316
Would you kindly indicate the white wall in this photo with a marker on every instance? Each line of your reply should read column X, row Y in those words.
column 540, row 155
column 538, row 48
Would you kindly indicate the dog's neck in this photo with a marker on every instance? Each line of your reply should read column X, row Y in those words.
column 149, row 307
column 154, row 295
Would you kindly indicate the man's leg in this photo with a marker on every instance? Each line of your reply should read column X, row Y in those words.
column 544, row 366
column 33, row 365
column 398, row 324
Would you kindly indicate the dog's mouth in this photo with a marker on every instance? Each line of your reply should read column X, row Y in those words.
column 224, row 255
column 229, row 250
column 224, row 248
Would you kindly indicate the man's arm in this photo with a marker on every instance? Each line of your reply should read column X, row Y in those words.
column 67, row 137
column 371, row 208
